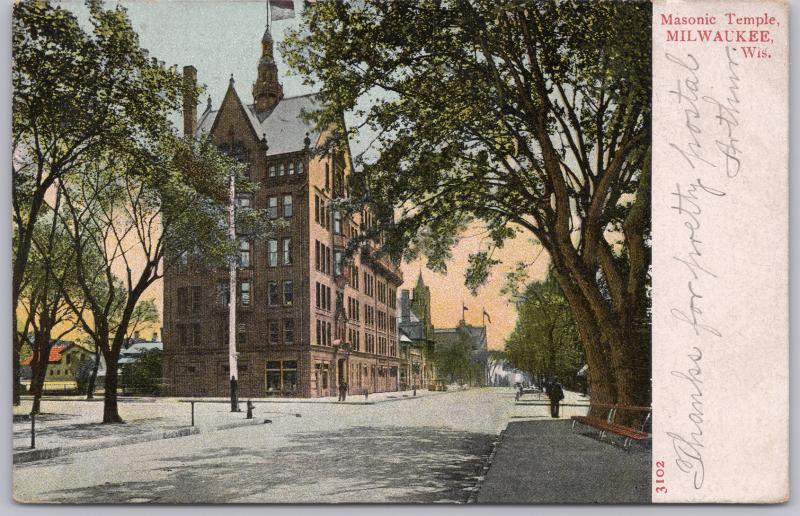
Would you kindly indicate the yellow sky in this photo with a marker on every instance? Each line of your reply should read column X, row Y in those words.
column 448, row 290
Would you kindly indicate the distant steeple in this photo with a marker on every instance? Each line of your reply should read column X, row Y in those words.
column 267, row 91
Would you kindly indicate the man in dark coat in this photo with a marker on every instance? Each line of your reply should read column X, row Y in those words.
column 556, row 394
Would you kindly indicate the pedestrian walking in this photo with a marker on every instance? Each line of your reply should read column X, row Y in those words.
column 556, row 393
column 342, row 390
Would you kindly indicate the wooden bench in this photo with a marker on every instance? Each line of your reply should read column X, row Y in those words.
column 606, row 418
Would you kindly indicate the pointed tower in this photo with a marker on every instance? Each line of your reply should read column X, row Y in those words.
column 267, row 91
column 421, row 305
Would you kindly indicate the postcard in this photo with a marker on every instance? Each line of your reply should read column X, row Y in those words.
column 376, row 252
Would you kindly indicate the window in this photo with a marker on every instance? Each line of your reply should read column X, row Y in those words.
column 287, row 292
column 288, row 331
column 271, row 170
column 287, row 251
column 183, row 300
column 337, row 262
column 244, row 253
column 327, row 260
column 223, row 293
column 316, row 209
column 272, row 252
column 197, row 299
column 272, row 207
column 281, row 169
column 328, row 299
column 337, row 221
column 282, row 376
column 319, row 331
column 299, row 167
column 317, row 252
column 287, row 206
column 291, row 168
column 272, row 293
column 329, row 334
column 274, row 332
column 318, row 298
column 327, row 177
column 243, row 201
column 244, row 288
column 241, row 334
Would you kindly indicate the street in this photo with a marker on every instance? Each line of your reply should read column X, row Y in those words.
column 426, row 450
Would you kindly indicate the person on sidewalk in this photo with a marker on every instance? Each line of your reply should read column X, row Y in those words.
column 343, row 391
column 556, row 394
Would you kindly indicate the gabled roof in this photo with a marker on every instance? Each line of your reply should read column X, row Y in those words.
column 284, row 126
column 56, row 353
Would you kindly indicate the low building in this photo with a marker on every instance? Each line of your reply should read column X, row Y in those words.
column 62, row 364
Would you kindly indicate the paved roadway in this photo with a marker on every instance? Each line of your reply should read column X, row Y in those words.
column 422, row 450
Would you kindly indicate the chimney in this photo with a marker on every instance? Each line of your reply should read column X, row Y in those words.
column 405, row 306
column 189, row 100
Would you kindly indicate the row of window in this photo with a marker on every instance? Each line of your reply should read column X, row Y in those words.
column 322, row 257
column 246, row 201
column 285, row 168
column 323, row 297
column 353, row 309
column 278, row 293
column 282, row 332
column 246, row 252
column 279, row 332
column 286, row 204
column 324, row 333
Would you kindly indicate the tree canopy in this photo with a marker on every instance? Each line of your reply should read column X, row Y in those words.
column 530, row 117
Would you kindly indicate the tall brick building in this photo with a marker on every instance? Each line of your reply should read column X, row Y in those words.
column 306, row 317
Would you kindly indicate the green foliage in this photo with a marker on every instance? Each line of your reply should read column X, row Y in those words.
column 525, row 116
column 454, row 359
column 545, row 338
column 145, row 375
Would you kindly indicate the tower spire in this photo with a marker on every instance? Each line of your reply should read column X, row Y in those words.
column 267, row 90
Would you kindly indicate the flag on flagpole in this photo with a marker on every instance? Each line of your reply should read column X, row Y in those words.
column 281, row 9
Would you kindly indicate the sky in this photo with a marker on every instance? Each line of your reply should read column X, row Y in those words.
column 222, row 37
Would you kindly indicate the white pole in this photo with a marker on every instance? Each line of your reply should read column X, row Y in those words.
column 232, row 299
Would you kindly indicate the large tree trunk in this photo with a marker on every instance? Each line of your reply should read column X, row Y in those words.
column 39, row 362
column 602, row 380
column 110, row 410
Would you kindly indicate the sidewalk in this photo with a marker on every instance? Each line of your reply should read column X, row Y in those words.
column 72, row 424
column 67, row 427
column 545, row 462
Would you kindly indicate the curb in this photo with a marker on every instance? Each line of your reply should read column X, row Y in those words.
column 473, row 496
column 21, row 457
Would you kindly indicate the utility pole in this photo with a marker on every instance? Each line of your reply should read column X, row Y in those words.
column 232, row 362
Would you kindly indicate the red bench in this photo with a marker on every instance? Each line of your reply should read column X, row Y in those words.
column 629, row 422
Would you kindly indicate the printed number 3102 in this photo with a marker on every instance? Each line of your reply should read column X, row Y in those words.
column 661, row 488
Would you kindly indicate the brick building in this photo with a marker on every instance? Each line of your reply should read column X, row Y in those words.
column 307, row 317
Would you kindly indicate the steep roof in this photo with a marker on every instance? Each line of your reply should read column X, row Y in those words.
column 284, row 126
column 56, row 353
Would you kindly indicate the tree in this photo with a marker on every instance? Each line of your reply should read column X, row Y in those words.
column 544, row 342
column 76, row 94
column 530, row 117
column 122, row 213
column 145, row 375
column 145, row 312
column 47, row 316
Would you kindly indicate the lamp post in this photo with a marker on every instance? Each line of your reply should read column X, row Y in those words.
column 232, row 355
